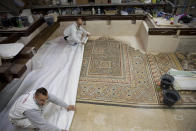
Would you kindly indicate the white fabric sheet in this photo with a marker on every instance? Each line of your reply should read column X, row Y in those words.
column 8, row 51
column 184, row 80
column 56, row 67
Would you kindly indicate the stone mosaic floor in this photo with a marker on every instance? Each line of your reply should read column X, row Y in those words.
column 113, row 73
column 187, row 60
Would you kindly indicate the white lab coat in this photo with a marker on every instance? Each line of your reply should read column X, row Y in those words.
column 74, row 34
column 25, row 102
column 16, row 114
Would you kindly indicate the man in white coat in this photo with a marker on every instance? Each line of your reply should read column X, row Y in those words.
column 74, row 33
column 28, row 108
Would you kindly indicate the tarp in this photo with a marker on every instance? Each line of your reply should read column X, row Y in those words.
column 184, row 80
column 56, row 66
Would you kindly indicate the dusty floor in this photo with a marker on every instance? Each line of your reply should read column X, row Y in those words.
column 90, row 117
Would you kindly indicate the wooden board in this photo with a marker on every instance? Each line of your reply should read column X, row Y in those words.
column 81, row 2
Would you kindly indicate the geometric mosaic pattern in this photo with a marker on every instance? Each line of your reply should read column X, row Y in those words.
column 187, row 60
column 114, row 73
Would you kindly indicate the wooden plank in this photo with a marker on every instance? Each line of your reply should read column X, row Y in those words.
column 11, row 38
column 102, row 17
column 188, row 32
column 5, row 76
column 2, row 85
column 131, row 4
column 23, row 32
column 168, row 30
column 39, row 40
column 162, row 32
column 17, row 68
column 27, row 52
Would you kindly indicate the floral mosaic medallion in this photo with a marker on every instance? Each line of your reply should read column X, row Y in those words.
column 114, row 73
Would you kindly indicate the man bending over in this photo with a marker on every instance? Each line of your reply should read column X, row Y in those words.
column 28, row 108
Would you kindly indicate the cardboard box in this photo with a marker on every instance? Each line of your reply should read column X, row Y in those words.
column 82, row 2
column 101, row 1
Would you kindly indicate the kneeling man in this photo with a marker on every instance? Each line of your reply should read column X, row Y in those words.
column 28, row 108
column 74, row 33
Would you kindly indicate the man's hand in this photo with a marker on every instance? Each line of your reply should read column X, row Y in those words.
column 71, row 108
column 88, row 35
